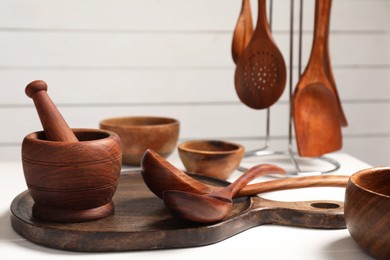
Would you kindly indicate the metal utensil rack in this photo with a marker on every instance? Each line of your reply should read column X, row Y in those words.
column 292, row 156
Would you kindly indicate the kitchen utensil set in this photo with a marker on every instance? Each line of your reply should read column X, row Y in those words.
column 73, row 174
column 260, row 79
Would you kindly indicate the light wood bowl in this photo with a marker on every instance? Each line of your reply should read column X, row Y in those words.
column 72, row 181
column 367, row 210
column 139, row 133
column 213, row 158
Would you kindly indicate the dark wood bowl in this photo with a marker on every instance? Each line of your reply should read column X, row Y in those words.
column 72, row 181
column 139, row 133
column 367, row 210
column 212, row 158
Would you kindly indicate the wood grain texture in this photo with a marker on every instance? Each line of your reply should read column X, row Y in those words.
column 329, row 70
column 141, row 221
column 315, row 107
column 72, row 181
column 212, row 207
column 243, row 31
column 367, row 210
column 295, row 183
column 139, row 133
column 260, row 76
column 54, row 125
column 213, row 158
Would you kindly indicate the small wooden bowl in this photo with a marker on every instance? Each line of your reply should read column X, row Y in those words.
column 72, row 181
column 141, row 133
column 213, row 158
column 367, row 210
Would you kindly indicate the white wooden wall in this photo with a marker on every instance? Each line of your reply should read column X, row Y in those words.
column 172, row 58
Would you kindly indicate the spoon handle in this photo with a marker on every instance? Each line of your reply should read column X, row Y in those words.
column 54, row 125
column 321, row 30
column 262, row 26
column 249, row 175
column 243, row 31
column 294, row 183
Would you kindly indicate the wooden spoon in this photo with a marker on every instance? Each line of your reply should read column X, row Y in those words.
column 315, row 108
column 211, row 207
column 243, row 31
column 329, row 73
column 159, row 176
column 260, row 75
column 295, row 183
column 54, row 125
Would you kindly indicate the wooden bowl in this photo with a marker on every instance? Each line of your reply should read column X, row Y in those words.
column 367, row 210
column 141, row 133
column 72, row 181
column 213, row 158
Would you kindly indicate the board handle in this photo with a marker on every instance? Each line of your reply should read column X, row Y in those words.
column 321, row 214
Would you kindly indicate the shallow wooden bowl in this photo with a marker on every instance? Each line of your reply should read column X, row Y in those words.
column 72, row 181
column 141, row 133
column 213, row 158
column 367, row 210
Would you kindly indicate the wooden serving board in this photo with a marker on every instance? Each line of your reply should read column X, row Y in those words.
column 141, row 221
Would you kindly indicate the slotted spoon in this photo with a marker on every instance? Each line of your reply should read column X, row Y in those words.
column 260, row 75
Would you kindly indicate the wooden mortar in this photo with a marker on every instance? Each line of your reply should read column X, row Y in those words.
column 71, row 174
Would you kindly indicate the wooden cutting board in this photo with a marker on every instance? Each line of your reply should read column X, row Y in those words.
column 141, row 221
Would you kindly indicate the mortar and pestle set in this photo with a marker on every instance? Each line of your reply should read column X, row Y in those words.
column 71, row 174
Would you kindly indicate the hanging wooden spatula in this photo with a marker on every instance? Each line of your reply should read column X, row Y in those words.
column 315, row 107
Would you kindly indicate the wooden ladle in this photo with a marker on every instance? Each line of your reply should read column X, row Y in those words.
column 260, row 75
column 54, row 125
column 315, row 108
column 159, row 176
column 213, row 206
column 243, row 31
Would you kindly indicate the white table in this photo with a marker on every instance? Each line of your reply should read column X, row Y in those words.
column 263, row 242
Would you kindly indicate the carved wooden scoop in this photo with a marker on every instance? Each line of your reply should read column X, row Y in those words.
column 54, row 125
column 260, row 75
column 159, row 176
column 211, row 207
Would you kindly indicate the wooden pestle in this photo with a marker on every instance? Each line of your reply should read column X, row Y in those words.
column 54, row 125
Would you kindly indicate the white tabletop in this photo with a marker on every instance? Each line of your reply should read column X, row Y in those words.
column 263, row 242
